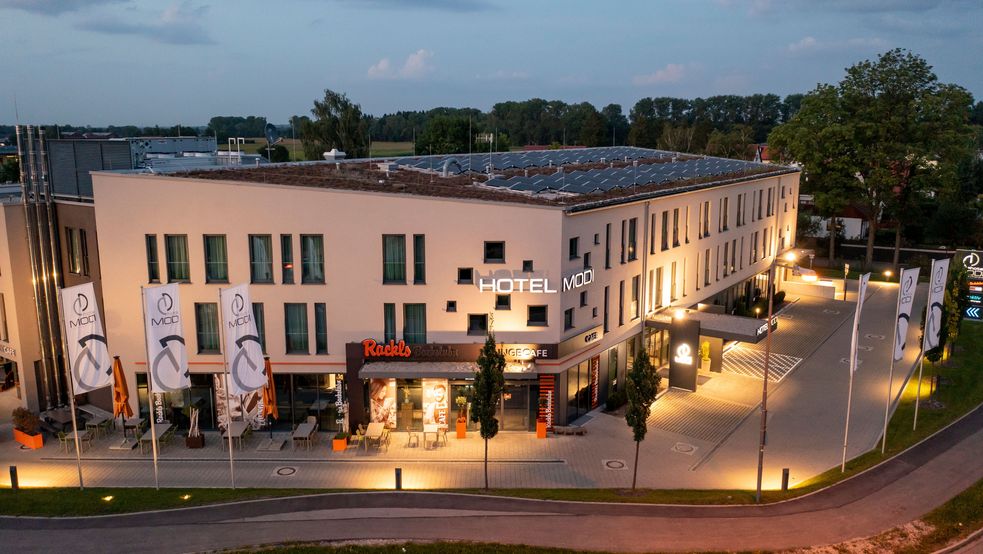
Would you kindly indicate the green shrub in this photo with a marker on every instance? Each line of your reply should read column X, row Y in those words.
column 616, row 400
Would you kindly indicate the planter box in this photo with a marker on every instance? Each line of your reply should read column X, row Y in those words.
column 462, row 429
column 540, row 429
column 339, row 445
column 30, row 441
column 195, row 442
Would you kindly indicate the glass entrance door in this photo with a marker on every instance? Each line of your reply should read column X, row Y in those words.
column 515, row 408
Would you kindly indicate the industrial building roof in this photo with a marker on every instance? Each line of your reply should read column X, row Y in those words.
column 575, row 179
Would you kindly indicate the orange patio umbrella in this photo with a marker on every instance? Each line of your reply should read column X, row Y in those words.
column 121, row 395
column 269, row 396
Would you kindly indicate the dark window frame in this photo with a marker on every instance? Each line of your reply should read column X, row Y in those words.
column 494, row 260
column 479, row 330
column 530, row 322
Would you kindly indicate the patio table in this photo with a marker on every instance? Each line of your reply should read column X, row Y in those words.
column 159, row 430
column 237, row 429
column 303, row 432
column 373, row 433
column 430, row 429
column 134, row 423
column 96, row 424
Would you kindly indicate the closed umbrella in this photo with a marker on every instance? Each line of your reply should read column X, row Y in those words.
column 269, row 397
column 121, row 394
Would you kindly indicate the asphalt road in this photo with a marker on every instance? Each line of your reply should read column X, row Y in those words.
column 891, row 494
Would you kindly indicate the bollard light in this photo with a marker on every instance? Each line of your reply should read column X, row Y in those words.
column 14, row 486
column 399, row 478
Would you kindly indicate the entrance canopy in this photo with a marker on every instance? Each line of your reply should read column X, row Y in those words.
column 722, row 326
column 417, row 370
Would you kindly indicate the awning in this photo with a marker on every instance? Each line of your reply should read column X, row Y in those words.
column 722, row 326
column 436, row 370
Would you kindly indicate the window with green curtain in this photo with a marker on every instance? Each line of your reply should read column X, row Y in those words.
column 320, row 328
column 312, row 258
column 394, row 259
column 216, row 259
column 260, row 258
column 295, row 325
column 415, row 323
column 178, row 266
column 389, row 315
column 287, row 259
column 259, row 316
column 153, row 262
column 419, row 260
column 206, row 326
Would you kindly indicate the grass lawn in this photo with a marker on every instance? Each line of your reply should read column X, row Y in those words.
column 391, row 149
column 953, row 520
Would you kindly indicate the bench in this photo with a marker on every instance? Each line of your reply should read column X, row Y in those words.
column 569, row 430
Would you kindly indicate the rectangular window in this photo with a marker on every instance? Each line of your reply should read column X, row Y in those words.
column 607, row 310
column 771, row 204
column 672, row 283
column 621, row 303
column 652, row 228
column 742, row 253
column 658, row 300
column 287, row 259
column 568, row 319
column 675, row 227
column 761, row 196
column 574, row 248
column 320, row 328
column 706, row 267
column 706, row 218
column 650, row 299
column 633, row 239
column 716, row 266
column 725, row 212
column 3, row 320
column 636, row 311
column 587, row 260
column 394, row 259
column 527, row 266
column 607, row 246
column 312, row 258
column 73, row 246
column 451, row 306
column 216, row 259
column 85, row 252
column 153, row 262
column 503, row 301
column 597, row 239
column 415, row 323
column 733, row 255
column 465, row 276
column 389, row 322
column 740, row 202
column 478, row 324
column 295, row 327
column 260, row 258
column 206, row 327
column 583, row 299
column 419, row 259
column 686, row 225
column 176, row 250
column 259, row 316
column 494, row 252
column 624, row 224
column 726, row 257
column 536, row 316
column 665, row 230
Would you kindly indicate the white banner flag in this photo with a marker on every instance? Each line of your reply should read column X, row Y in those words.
column 906, row 297
column 856, row 321
column 88, row 354
column 166, row 351
column 243, row 351
column 936, row 296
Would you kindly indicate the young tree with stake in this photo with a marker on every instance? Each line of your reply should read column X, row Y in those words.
column 489, row 381
column 643, row 385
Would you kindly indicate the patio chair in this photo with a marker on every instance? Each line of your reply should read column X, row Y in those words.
column 356, row 440
column 442, row 436
column 412, row 437
column 383, row 440
column 63, row 441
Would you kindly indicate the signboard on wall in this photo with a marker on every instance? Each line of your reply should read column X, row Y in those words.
column 435, row 402
column 398, row 351
column 972, row 260
column 578, row 342
column 684, row 359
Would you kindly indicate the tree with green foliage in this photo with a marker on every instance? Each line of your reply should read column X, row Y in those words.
column 446, row 135
column 642, row 387
column 884, row 135
column 337, row 123
column 10, row 171
column 489, row 381
column 954, row 304
column 276, row 153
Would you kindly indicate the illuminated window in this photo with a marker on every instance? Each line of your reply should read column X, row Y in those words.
column 287, row 259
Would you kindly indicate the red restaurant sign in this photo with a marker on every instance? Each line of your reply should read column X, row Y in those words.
column 372, row 349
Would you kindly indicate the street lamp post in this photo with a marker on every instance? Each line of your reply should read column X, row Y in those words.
column 788, row 262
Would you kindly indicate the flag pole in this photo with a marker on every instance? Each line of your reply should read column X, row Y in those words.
column 921, row 354
column 853, row 368
column 890, row 373
column 228, row 405
column 150, row 390
column 71, row 401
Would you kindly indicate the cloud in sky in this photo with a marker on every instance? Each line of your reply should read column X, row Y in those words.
column 417, row 65
column 461, row 6
column 503, row 75
column 54, row 7
column 177, row 24
column 811, row 45
column 671, row 73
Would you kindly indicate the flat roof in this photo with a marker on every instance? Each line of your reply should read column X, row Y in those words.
column 723, row 326
column 575, row 179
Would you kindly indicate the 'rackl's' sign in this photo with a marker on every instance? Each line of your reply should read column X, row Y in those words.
column 372, row 349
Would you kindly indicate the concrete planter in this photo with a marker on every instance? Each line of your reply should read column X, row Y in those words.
column 195, row 442
column 540, row 429
column 339, row 445
column 461, row 427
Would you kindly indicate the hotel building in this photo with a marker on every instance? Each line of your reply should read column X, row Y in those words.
column 569, row 257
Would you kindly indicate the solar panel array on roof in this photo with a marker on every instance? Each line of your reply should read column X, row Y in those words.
column 500, row 161
column 603, row 180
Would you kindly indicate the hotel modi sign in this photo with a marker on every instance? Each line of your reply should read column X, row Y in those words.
column 538, row 285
